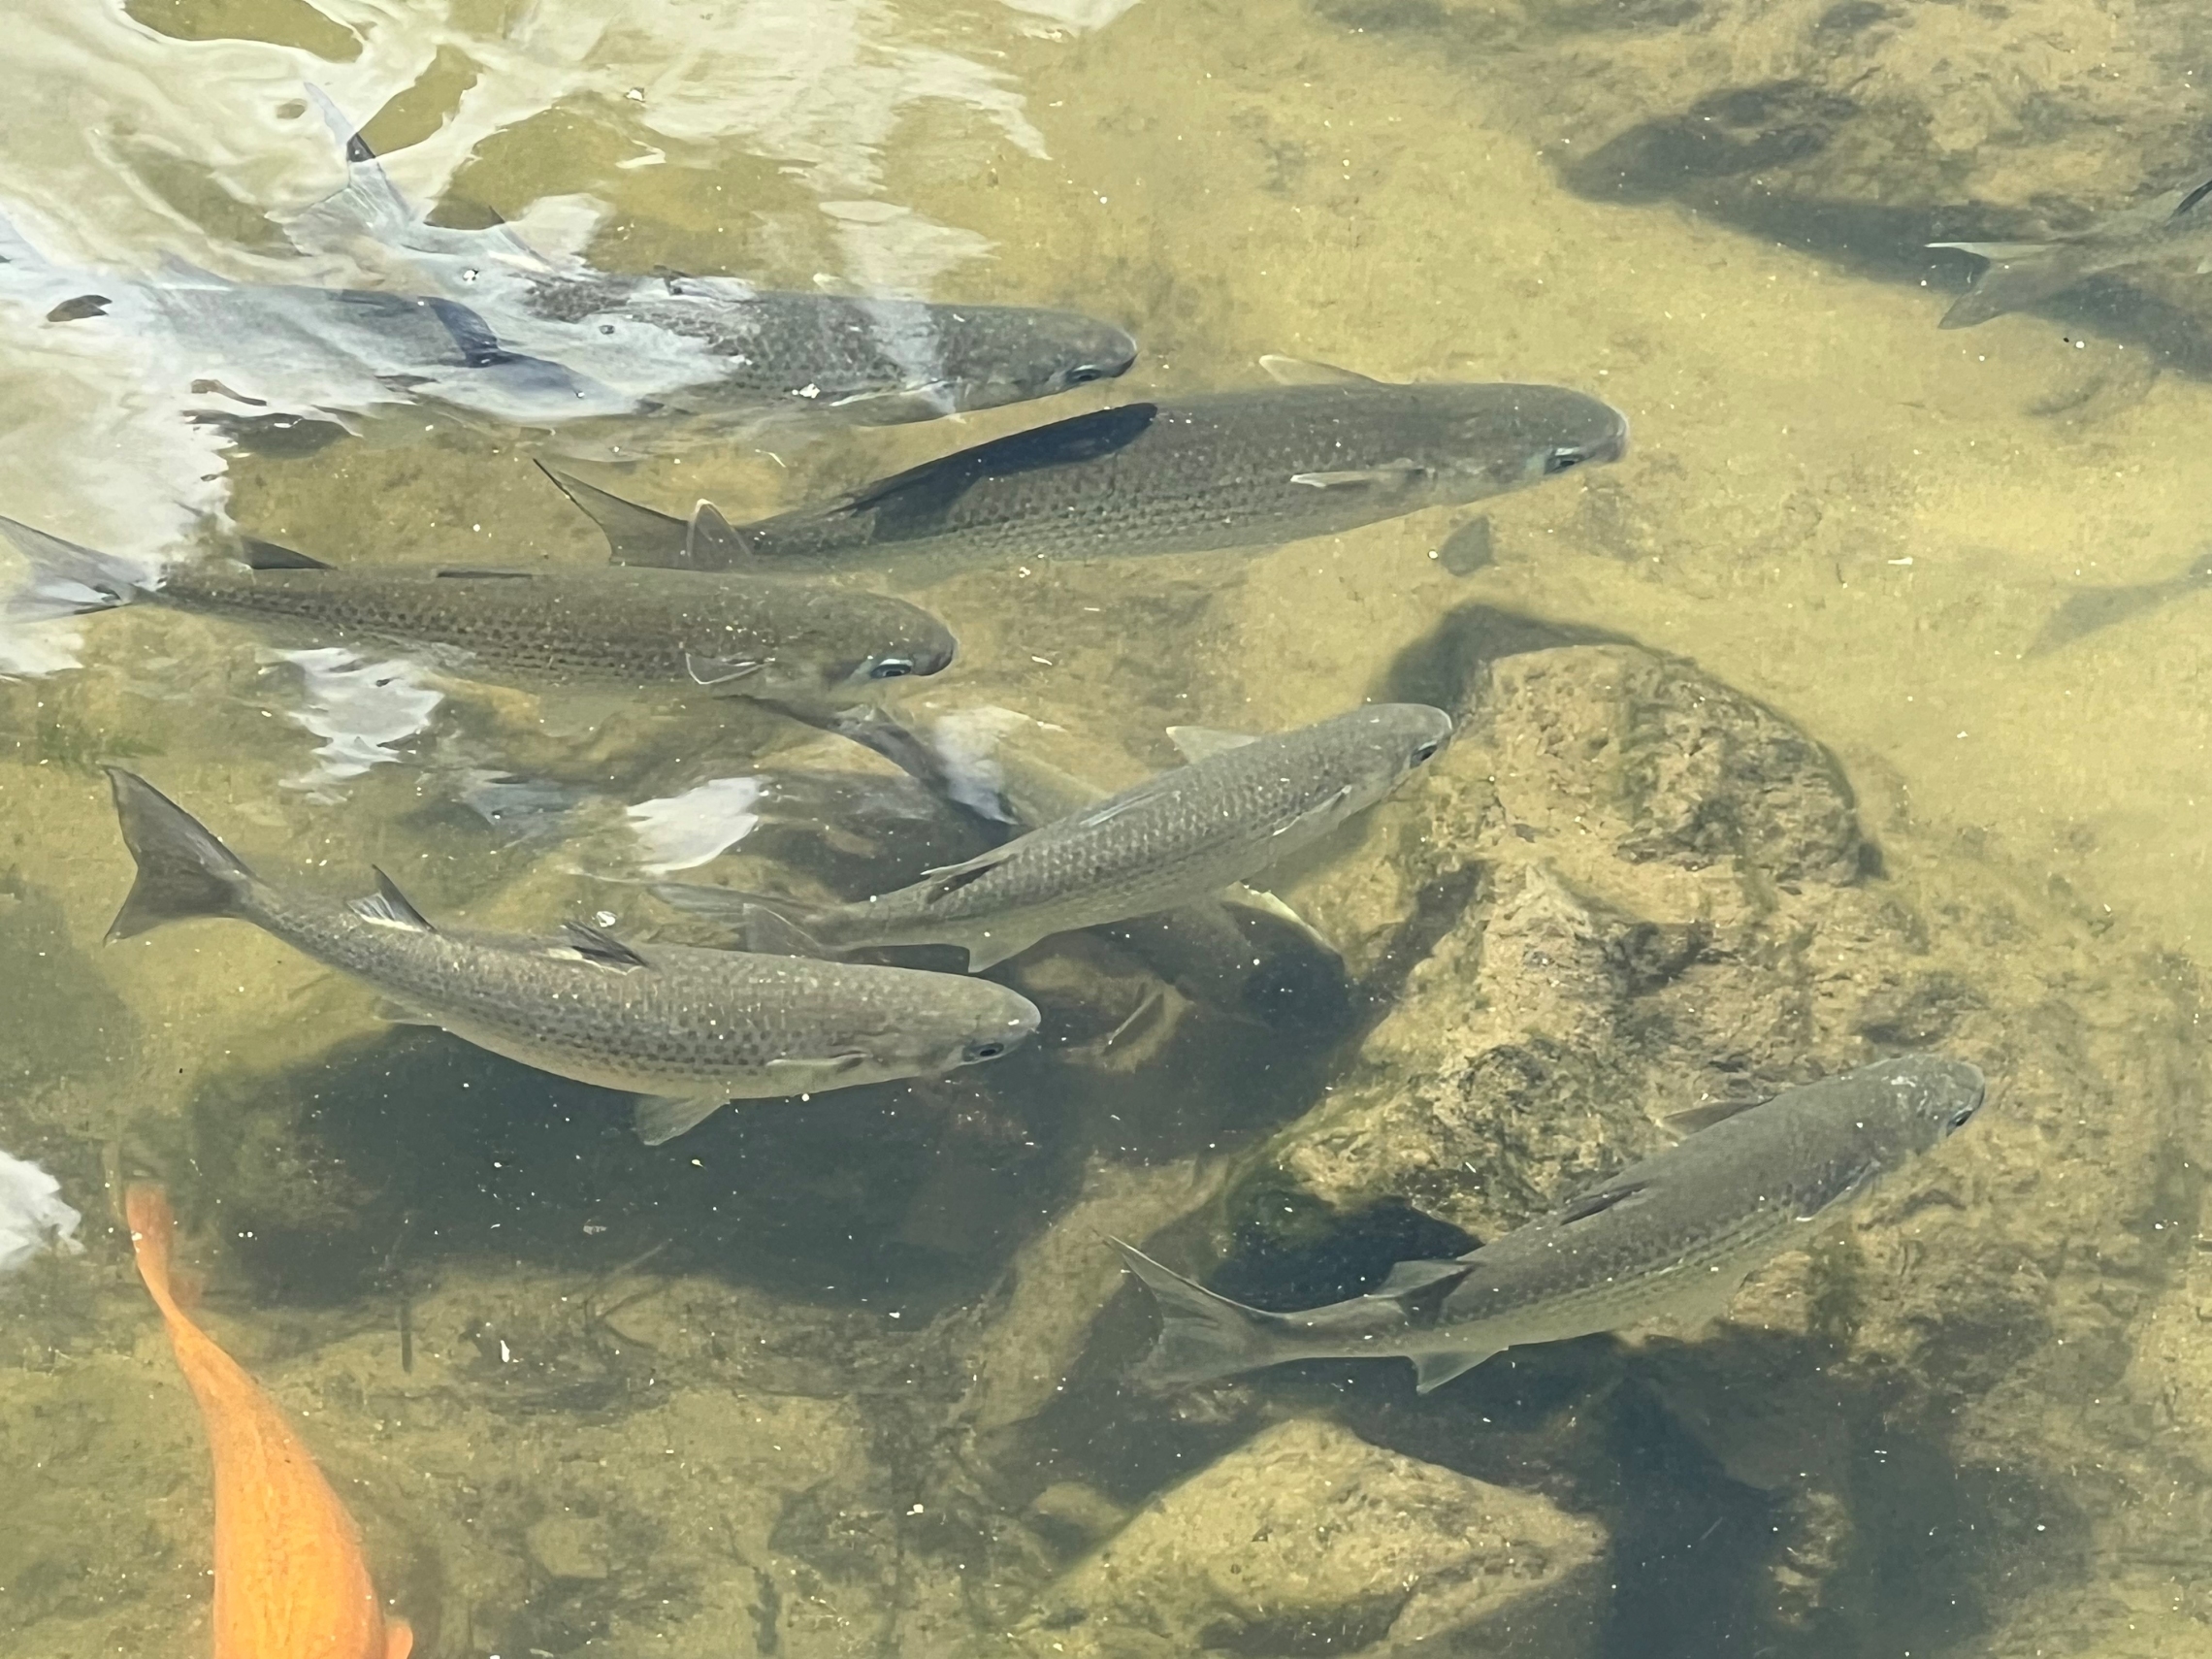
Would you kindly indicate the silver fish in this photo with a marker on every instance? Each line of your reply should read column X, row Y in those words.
column 1244, row 468
column 1671, row 1237
column 475, row 324
column 1242, row 803
column 2019, row 274
column 1242, row 951
column 598, row 627
column 687, row 1029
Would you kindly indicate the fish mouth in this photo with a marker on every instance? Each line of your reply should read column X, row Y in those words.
column 1609, row 446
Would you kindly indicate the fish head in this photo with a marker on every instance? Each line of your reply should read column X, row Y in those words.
column 971, row 1022
column 1934, row 1097
column 1492, row 438
column 997, row 355
column 912, row 644
column 848, row 643
column 1376, row 748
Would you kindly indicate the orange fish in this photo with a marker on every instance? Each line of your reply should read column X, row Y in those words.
column 290, row 1582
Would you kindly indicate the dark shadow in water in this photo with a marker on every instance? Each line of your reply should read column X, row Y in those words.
column 911, row 1195
column 1718, row 157
column 1448, row 668
column 1749, row 156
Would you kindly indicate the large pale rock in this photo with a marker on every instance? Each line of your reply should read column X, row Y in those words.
column 1308, row 1539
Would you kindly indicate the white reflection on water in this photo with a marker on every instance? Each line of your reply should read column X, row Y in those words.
column 358, row 709
column 682, row 832
column 149, row 148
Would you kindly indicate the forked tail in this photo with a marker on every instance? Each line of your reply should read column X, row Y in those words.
column 183, row 869
column 66, row 579
column 2019, row 274
column 1203, row 1336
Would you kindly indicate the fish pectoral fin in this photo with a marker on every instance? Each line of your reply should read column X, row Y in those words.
column 1691, row 1119
column 951, row 878
column 1407, row 1277
column 2204, row 265
column 1997, row 250
column 595, row 946
column 262, row 555
column 815, row 1065
column 390, row 906
column 719, row 670
column 1853, row 1184
column 1398, row 475
column 1432, row 1371
column 399, row 1639
column 1599, row 1202
column 1203, row 742
column 393, row 1012
column 659, row 1118
column 1304, row 371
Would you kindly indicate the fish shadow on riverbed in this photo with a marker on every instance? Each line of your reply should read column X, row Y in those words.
column 907, row 1194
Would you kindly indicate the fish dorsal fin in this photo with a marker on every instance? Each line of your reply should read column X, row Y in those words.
column 951, row 878
column 391, row 907
column 262, row 555
column 1599, row 1202
column 479, row 576
column 634, row 534
column 79, row 309
column 1407, row 1276
column 595, row 946
column 719, row 670
column 1196, row 743
column 711, row 541
column 1303, row 371
column 1432, row 1371
column 2191, row 196
column 913, row 503
column 659, row 1118
column 1692, row 1118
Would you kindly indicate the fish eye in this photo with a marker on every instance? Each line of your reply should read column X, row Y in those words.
column 1960, row 1118
column 890, row 668
column 1082, row 373
column 1423, row 751
column 1559, row 460
column 990, row 1048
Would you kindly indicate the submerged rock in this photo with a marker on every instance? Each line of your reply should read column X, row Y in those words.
column 1309, row 1540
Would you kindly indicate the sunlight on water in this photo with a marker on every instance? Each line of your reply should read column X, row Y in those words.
column 1619, row 670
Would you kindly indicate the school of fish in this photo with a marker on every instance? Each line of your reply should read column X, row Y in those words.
column 799, row 611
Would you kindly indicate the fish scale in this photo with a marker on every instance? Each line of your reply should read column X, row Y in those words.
column 688, row 1028
column 1214, row 470
column 1669, row 1237
column 1177, row 837
column 598, row 627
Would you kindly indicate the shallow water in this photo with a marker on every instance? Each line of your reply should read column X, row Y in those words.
column 846, row 1377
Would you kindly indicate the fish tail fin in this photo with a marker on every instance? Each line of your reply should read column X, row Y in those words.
column 2018, row 275
column 153, row 1229
column 183, row 869
column 66, row 579
column 771, row 926
column 1203, row 1336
